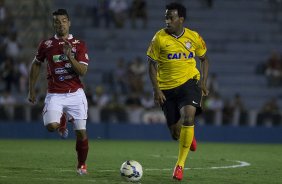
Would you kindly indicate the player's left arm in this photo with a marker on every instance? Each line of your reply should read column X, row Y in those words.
column 79, row 68
column 204, row 67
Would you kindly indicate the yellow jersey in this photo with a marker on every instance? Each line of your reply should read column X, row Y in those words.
column 175, row 57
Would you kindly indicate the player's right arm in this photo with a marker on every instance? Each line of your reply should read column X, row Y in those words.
column 153, row 53
column 159, row 97
column 33, row 77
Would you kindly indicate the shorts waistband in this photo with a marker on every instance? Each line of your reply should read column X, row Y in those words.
column 64, row 91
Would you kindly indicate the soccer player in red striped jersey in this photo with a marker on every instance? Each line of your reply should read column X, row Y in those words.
column 67, row 60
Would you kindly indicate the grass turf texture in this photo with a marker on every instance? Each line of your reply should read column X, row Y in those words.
column 54, row 161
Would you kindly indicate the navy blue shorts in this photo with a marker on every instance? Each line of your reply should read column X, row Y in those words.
column 188, row 93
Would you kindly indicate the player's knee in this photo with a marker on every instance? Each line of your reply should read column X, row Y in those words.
column 81, row 134
column 79, row 124
column 175, row 136
column 51, row 127
column 188, row 121
column 175, row 132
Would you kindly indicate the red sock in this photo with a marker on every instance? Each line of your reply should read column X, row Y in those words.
column 82, row 151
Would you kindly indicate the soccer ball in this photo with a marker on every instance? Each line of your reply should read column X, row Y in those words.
column 131, row 170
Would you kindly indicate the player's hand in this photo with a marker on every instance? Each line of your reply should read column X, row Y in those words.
column 31, row 96
column 205, row 90
column 67, row 47
column 159, row 97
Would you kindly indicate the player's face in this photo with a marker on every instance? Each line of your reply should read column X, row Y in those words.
column 61, row 25
column 173, row 21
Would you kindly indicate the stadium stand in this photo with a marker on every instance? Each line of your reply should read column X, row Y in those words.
column 239, row 34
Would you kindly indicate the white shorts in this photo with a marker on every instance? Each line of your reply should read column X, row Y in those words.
column 73, row 104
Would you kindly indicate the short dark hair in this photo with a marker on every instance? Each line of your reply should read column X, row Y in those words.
column 61, row 12
column 179, row 7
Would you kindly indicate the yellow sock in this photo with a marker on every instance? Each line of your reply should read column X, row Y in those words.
column 185, row 140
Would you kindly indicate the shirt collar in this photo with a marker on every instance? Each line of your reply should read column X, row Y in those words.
column 69, row 37
column 175, row 36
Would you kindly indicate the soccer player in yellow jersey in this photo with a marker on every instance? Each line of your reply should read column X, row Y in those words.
column 177, row 83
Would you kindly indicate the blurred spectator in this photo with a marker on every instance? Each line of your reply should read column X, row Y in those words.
column 119, row 10
column 239, row 111
column 114, row 111
column 138, row 67
column 133, row 100
column 120, row 77
column 136, row 74
column 5, row 16
column 89, row 95
column 7, row 102
column 3, row 12
column 147, row 100
column 23, row 76
column 9, row 74
column 4, row 29
column 3, row 37
column 212, row 84
column 138, row 10
column 100, row 98
column 269, row 115
column 213, row 109
column 7, row 98
column 273, row 70
column 93, row 111
column 153, row 116
column 101, row 12
column 134, row 108
column 13, row 46
column 227, row 113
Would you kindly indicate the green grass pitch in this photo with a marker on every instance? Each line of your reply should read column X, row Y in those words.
column 54, row 161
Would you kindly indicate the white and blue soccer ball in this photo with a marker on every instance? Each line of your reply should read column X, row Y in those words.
column 131, row 170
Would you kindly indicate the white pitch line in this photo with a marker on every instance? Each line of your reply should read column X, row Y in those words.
column 240, row 164
column 158, row 156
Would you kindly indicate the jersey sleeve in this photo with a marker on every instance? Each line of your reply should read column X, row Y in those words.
column 82, row 54
column 201, row 46
column 153, row 51
column 40, row 55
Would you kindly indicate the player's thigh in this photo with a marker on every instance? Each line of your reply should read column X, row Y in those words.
column 51, row 117
column 76, row 105
column 189, row 94
column 171, row 112
column 53, row 109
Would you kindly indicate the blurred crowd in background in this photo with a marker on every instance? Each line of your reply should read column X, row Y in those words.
column 121, row 96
